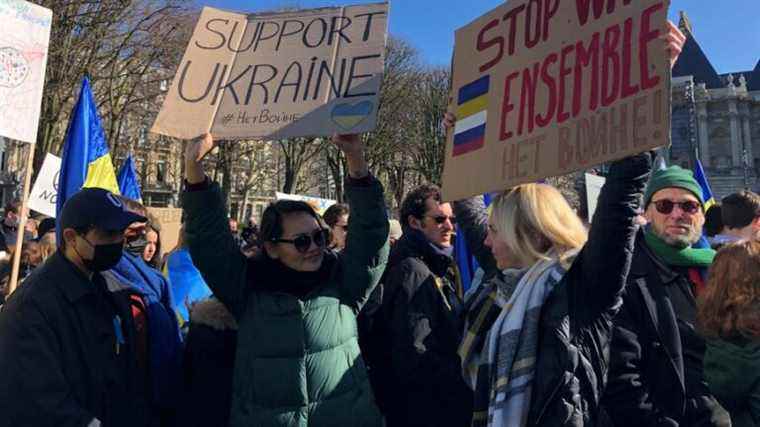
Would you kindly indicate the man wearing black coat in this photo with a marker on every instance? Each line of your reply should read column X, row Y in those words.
column 66, row 344
column 655, row 376
column 414, row 365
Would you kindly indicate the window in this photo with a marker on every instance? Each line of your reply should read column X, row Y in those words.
column 142, row 137
column 161, row 171
column 164, row 85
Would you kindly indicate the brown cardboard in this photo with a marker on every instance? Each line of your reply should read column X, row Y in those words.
column 267, row 76
column 592, row 126
column 171, row 223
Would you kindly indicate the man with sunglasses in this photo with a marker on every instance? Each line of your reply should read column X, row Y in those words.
column 412, row 347
column 655, row 376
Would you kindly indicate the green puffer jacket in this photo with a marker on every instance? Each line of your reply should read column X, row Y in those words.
column 298, row 361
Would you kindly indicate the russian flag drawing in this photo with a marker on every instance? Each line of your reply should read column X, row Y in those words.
column 470, row 128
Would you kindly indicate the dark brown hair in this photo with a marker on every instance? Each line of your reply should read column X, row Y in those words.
column 415, row 203
column 334, row 212
column 740, row 209
column 728, row 308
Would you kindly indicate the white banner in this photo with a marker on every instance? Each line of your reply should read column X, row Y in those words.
column 319, row 205
column 594, row 184
column 45, row 190
column 24, row 39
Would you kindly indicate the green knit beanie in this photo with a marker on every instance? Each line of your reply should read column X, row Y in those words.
column 674, row 176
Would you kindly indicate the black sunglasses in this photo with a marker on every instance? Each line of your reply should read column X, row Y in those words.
column 666, row 206
column 440, row 219
column 302, row 242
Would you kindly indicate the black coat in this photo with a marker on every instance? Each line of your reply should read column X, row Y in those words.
column 208, row 366
column 59, row 360
column 575, row 328
column 647, row 385
column 414, row 365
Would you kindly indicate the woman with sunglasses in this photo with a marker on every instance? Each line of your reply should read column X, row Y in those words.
column 298, row 359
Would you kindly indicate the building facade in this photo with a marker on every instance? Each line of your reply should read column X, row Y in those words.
column 716, row 118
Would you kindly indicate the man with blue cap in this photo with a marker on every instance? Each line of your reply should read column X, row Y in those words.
column 66, row 343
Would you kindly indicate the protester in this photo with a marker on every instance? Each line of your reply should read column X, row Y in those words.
column 47, row 225
column 150, row 253
column 412, row 347
column 159, row 342
column 336, row 217
column 47, row 245
column 30, row 228
column 297, row 360
column 208, row 365
column 234, row 230
column 67, row 345
column 656, row 375
column 9, row 224
column 740, row 215
column 714, row 228
column 730, row 320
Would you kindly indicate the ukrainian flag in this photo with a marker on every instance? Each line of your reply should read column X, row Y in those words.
column 699, row 175
column 129, row 184
column 86, row 161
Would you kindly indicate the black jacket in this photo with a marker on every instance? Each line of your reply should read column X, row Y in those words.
column 208, row 365
column 414, row 365
column 60, row 364
column 576, row 319
column 647, row 385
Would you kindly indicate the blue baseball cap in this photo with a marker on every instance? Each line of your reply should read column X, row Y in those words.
column 99, row 208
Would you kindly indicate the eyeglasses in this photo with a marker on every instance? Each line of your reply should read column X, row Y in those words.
column 666, row 206
column 440, row 219
column 302, row 242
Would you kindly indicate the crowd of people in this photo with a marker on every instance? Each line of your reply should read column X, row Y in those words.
column 353, row 319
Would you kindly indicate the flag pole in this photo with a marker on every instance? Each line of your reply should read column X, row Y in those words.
column 22, row 220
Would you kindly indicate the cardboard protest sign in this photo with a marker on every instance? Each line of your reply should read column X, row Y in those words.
column 311, row 72
column 594, row 184
column 24, row 38
column 44, row 193
column 547, row 87
column 320, row 205
column 171, row 223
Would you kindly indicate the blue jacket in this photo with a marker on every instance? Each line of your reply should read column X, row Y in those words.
column 164, row 339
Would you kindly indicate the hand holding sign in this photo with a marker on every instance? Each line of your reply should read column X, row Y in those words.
column 195, row 151
column 353, row 147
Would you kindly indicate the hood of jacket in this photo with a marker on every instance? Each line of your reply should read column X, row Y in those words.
column 212, row 313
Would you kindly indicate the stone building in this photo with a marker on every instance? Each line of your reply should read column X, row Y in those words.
column 717, row 118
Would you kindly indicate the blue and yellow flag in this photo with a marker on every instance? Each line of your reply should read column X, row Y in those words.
column 86, row 161
column 699, row 175
column 129, row 184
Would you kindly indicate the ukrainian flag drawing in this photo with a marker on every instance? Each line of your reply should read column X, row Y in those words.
column 86, row 161
column 470, row 128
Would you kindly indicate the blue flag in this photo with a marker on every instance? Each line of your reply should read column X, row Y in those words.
column 699, row 175
column 86, row 161
column 465, row 261
column 129, row 185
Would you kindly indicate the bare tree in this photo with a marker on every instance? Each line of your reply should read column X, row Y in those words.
column 431, row 97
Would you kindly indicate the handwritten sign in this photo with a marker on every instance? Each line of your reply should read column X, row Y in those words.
column 547, row 87
column 45, row 190
column 307, row 73
column 24, row 38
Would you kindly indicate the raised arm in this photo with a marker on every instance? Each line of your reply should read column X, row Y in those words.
column 207, row 231
column 366, row 251
column 472, row 220
column 606, row 258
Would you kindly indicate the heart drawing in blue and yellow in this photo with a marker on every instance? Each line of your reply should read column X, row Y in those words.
column 348, row 116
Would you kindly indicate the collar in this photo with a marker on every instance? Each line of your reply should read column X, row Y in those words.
column 644, row 258
column 72, row 281
column 414, row 244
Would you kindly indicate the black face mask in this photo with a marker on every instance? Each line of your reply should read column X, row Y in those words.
column 105, row 257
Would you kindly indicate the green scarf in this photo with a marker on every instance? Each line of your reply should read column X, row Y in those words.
column 685, row 257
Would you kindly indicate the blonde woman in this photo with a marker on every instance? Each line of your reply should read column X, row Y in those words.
column 538, row 329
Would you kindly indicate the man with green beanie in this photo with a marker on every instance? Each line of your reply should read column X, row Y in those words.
column 655, row 376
